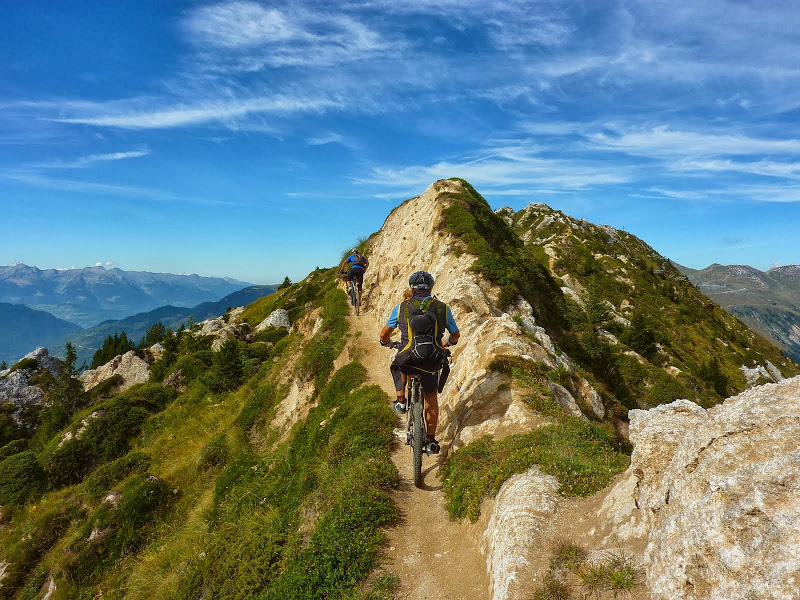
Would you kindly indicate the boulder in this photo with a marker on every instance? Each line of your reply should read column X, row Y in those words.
column 15, row 388
column 129, row 366
column 716, row 496
column 278, row 318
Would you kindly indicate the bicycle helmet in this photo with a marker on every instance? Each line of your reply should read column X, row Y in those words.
column 421, row 280
column 354, row 251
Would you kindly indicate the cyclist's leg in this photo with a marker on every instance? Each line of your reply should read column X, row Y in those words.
column 429, row 384
column 400, row 381
column 359, row 277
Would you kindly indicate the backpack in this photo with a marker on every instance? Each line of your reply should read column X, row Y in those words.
column 359, row 260
column 423, row 325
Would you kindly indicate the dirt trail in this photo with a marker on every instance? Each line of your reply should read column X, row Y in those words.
column 435, row 558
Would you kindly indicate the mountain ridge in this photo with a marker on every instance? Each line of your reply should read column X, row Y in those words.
column 768, row 301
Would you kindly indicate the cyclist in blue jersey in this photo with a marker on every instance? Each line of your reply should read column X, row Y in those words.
column 435, row 317
column 358, row 264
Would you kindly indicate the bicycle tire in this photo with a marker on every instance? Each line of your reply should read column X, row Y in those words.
column 419, row 432
column 354, row 296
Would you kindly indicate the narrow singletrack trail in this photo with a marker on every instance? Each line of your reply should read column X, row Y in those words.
column 434, row 558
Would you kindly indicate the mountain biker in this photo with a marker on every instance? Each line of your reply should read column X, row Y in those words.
column 420, row 284
column 358, row 264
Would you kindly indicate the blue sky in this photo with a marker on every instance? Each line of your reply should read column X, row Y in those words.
column 259, row 139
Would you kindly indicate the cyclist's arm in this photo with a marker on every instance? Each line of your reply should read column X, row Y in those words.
column 452, row 328
column 391, row 324
column 386, row 333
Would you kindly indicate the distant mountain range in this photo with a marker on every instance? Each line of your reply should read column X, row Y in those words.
column 769, row 302
column 94, row 294
column 22, row 329
column 89, row 340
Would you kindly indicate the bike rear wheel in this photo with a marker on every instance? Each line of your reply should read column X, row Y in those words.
column 418, row 432
column 354, row 299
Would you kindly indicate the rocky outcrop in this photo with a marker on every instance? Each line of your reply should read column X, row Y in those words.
column 277, row 318
column 716, row 496
column 524, row 505
column 224, row 328
column 129, row 366
column 16, row 389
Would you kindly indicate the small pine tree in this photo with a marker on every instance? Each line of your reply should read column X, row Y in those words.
column 3, row 366
column 640, row 337
column 286, row 283
column 70, row 360
column 228, row 364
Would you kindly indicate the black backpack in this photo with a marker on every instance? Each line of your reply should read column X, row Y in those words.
column 423, row 321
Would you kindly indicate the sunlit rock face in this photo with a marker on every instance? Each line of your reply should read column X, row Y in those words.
column 716, row 494
column 129, row 366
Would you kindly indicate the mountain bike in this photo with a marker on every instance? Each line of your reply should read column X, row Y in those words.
column 416, row 428
column 355, row 299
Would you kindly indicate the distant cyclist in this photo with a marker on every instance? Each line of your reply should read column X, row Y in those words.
column 358, row 264
column 422, row 320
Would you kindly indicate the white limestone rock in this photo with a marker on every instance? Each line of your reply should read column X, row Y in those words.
column 277, row 318
column 129, row 366
column 716, row 495
column 522, row 509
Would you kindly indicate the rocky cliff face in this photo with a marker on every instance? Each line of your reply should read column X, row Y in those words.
column 128, row 366
column 715, row 494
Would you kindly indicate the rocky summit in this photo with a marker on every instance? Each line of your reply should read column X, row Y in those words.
column 607, row 431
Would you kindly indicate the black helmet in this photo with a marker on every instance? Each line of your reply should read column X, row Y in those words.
column 355, row 251
column 421, row 280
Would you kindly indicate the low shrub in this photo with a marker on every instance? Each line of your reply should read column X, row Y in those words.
column 25, row 364
column 101, row 480
column 190, row 367
column 21, row 479
column 12, row 448
column 112, row 531
column 105, row 389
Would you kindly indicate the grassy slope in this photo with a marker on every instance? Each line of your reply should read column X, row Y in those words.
column 210, row 504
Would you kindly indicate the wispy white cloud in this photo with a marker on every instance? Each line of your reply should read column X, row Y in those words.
column 504, row 169
column 247, row 36
column 788, row 170
column 220, row 111
column 664, row 142
column 327, row 138
column 87, row 161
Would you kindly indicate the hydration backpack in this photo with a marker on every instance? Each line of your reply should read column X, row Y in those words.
column 424, row 322
column 359, row 260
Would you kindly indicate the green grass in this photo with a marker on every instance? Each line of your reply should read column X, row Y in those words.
column 303, row 520
column 583, row 457
column 572, row 575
